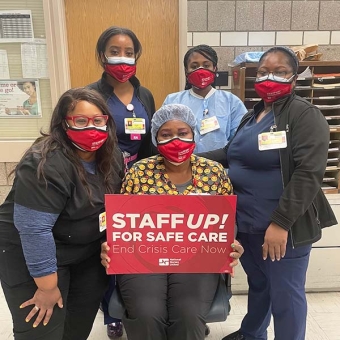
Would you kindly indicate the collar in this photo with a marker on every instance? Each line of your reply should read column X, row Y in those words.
column 210, row 93
column 278, row 105
column 168, row 185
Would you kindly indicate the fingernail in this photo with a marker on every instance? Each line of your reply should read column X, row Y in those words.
column 20, row 306
column 27, row 320
column 34, row 326
column 233, row 245
column 273, row 260
column 45, row 323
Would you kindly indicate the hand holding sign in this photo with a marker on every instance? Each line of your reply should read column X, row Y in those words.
column 104, row 255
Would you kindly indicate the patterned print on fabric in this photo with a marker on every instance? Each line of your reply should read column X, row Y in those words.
column 149, row 177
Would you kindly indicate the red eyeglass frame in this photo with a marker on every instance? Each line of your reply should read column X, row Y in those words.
column 89, row 119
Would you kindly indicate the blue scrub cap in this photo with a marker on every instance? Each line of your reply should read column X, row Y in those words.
column 171, row 112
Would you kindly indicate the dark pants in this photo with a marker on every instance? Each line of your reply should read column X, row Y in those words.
column 82, row 287
column 167, row 306
column 276, row 288
column 106, row 300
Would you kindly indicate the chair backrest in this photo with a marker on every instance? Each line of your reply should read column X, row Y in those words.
column 220, row 307
column 116, row 305
column 218, row 312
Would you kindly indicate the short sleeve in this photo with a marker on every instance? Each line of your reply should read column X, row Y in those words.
column 45, row 195
column 166, row 101
column 225, row 184
column 128, row 185
column 238, row 110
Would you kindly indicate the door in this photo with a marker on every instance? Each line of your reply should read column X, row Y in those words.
column 155, row 22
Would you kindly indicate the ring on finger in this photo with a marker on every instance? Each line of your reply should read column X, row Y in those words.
column 36, row 308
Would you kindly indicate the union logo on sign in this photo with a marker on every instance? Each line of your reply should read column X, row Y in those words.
column 164, row 262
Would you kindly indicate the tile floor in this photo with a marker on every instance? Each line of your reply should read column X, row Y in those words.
column 323, row 321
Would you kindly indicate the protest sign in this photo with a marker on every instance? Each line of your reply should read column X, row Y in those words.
column 170, row 234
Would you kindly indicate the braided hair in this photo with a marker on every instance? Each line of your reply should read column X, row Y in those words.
column 292, row 58
column 206, row 51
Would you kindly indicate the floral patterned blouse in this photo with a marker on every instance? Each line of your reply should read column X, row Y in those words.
column 148, row 176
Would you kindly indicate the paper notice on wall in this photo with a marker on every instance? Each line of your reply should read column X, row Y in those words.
column 16, row 26
column 4, row 69
column 34, row 59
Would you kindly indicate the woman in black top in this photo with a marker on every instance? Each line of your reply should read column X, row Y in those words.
column 49, row 223
column 277, row 161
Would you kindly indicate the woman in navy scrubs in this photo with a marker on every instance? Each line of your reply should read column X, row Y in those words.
column 276, row 162
column 131, row 106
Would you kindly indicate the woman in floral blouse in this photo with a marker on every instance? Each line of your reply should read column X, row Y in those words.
column 171, row 306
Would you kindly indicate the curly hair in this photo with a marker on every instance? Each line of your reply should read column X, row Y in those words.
column 20, row 84
column 57, row 139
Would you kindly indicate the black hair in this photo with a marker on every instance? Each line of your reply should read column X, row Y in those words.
column 112, row 31
column 57, row 139
column 206, row 51
column 20, row 84
column 292, row 58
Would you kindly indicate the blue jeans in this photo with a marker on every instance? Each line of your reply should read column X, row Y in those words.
column 276, row 288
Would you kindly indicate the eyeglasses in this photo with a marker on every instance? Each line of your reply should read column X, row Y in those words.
column 276, row 75
column 83, row 121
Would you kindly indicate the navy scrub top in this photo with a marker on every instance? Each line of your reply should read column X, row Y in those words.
column 119, row 112
column 255, row 176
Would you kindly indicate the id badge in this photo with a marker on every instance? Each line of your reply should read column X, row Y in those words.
column 134, row 126
column 272, row 140
column 102, row 221
column 208, row 125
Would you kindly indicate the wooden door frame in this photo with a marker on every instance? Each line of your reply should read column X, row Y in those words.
column 58, row 57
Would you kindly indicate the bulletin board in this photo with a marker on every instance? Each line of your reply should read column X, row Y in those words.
column 25, row 94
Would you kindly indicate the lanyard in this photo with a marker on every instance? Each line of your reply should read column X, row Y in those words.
column 205, row 107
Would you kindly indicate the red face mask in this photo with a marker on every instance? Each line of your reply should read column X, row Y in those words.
column 201, row 77
column 271, row 90
column 87, row 139
column 176, row 150
column 121, row 72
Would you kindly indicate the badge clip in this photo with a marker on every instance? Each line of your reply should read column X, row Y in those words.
column 273, row 128
column 131, row 109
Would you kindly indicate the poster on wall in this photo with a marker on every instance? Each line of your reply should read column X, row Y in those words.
column 16, row 26
column 169, row 234
column 20, row 98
